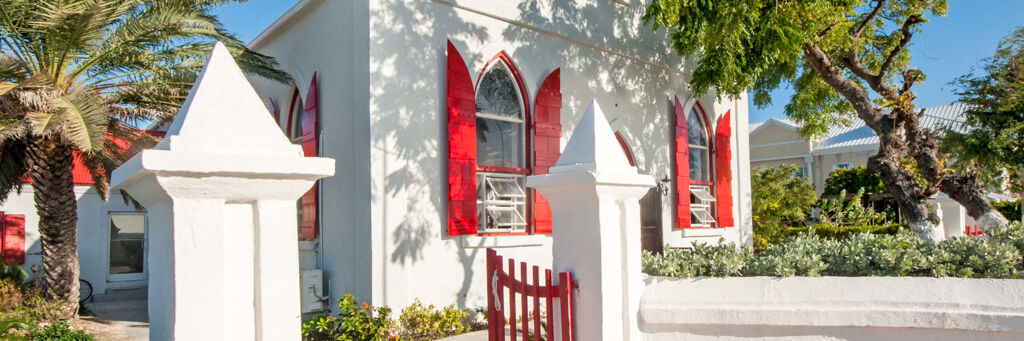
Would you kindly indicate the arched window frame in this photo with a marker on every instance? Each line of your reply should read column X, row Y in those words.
column 703, row 192
column 527, row 126
column 295, row 111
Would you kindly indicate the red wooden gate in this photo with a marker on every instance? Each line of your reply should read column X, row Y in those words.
column 497, row 309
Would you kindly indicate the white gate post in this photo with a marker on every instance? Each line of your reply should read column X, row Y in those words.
column 220, row 192
column 595, row 202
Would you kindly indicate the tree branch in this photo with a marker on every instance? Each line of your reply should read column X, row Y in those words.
column 871, row 16
column 905, row 31
column 833, row 75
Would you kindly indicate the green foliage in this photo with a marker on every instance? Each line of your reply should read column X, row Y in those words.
column 995, row 140
column 779, row 197
column 720, row 260
column 419, row 322
column 852, row 180
column 354, row 322
column 60, row 332
column 842, row 211
column 12, row 328
column 801, row 256
column 1009, row 209
column 757, row 45
column 808, row 253
column 843, row 232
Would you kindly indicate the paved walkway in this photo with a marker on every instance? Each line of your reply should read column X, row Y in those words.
column 127, row 311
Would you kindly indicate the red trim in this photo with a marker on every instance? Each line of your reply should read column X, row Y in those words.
column 13, row 238
column 703, row 183
column 461, row 143
column 682, row 154
column 310, row 147
column 625, row 148
column 493, row 169
column 723, row 159
column 547, row 133
column 291, row 111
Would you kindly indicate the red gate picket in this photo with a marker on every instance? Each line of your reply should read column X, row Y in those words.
column 498, row 280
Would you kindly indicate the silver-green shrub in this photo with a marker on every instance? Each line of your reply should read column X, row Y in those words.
column 997, row 255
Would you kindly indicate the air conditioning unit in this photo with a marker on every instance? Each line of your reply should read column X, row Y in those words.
column 312, row 295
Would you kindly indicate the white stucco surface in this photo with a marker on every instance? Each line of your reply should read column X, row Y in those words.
column 382, row 72
column 832, row 308
column 222, row 206
column 595, row 202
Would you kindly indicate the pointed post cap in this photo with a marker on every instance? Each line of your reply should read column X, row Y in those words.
column 593, row 147
column 224, row 114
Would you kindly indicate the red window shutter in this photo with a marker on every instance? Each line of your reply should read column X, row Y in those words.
column 310, row 147
column 547, row 131
column 723, row 174
column 682, row 169
column 14, row 238
column 462, row 217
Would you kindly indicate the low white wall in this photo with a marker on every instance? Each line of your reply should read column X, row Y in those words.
column 830, row 308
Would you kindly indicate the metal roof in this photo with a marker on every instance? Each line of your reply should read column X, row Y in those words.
column 859, row 136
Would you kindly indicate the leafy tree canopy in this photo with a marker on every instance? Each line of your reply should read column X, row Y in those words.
column 993, row 136
column 757, row 45
column 779, row 197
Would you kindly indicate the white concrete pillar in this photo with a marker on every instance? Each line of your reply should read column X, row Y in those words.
column 220, row 191
column 595, row 199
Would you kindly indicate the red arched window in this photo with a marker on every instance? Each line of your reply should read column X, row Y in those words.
column 502, row 145
column 494, row 143
column 703, row 169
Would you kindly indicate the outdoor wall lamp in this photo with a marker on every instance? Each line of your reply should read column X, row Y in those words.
column 664, row 185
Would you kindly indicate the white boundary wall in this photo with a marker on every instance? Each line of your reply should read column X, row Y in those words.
column 830, row 308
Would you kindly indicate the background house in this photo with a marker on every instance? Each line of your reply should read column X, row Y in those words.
column 778, row 142
column 435, row 112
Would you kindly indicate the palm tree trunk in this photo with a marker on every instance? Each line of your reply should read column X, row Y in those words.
column 51, row 162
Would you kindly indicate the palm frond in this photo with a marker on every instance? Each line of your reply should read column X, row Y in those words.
column 85, row 119
column 13, row 167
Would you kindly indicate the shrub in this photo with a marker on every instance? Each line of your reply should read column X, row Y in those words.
column 354, row 322
column 801, row 256
column 1009, row 209
column 10, row 295
column 842, row 211
column 419, row 322
column 779, row 197
column 720, row 260
column 809, row 253
column 852, row 179
column 842, row 232
column 60, row 332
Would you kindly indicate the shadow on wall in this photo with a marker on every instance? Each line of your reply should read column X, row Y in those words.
column 408, row 131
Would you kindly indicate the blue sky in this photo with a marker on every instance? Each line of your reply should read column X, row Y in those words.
column 948, row 47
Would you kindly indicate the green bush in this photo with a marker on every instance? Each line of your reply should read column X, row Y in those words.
column 354, row 322
column 842, row 232
column 813, row 253
column 1009, row 209
column 842, row 211
column 779, row 197
column 60, row 332
column 801, row 256
column 704, row 260
column 851, row 180
column 419, row 322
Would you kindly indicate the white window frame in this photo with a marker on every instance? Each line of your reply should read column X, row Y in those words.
column 517, row 203
column 493, row 201
column 700, row 206
column 135, row 276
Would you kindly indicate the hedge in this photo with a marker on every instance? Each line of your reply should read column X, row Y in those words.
column 998, row 255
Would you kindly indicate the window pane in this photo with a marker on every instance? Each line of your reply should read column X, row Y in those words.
column 499, row 143
column 697, row 133
column 127, row 226
column 699, row 164
column 498, row 93
column 296, row 123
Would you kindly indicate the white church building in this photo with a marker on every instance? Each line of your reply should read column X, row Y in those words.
column 436, row 111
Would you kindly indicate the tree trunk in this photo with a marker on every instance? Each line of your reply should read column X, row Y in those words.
column 51, row 162
column 904, row 189
column 1020, row 201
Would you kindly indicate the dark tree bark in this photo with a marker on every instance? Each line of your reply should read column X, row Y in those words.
column 50, row 164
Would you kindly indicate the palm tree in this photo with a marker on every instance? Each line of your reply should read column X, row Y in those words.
column 78, row 75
